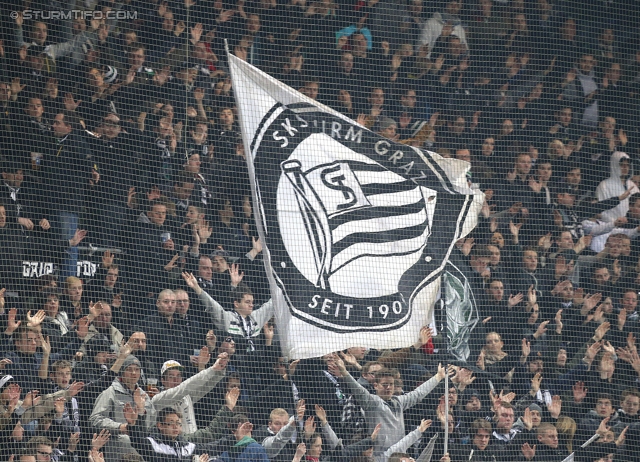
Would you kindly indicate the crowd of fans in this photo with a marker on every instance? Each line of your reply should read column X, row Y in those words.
column 131, row 265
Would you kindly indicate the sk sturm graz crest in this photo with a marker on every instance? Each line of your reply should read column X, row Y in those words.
column 356, row 225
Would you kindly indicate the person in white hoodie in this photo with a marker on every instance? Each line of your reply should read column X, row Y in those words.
column 434, row 27
column 619, row 182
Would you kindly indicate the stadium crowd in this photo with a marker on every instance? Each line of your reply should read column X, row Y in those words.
column 135, row 311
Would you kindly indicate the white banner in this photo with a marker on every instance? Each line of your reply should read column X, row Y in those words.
column 356, row 228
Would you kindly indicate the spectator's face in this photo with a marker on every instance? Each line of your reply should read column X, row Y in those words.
column 43, row 453
column 549, row 438
column 357, row 352
column 505, row 419
column 167, row 21
column 139, row 341
column 194, row 162
column 523, row 164
column 5, row 92
column 458, row 125
column 199, row 136
column 493, row 343
column 39, row 33
column 384, row 387
column 79, row 25
column 608, row 124
column 172, row 378
column 10, row 392
column 408, row 100
column 346, row 62
column 14, row 179
column 629, row 301
column 463, row 154
column 544, row 172
column 60, row 128
column 311, row 89
column 479, row 264
column 487, row 146
column 136, row 58
column 359, row 43
column 566, row 199
column 566, row 293
column 226, row 117
column 166, row 304
column 245, row 306
column 171, row 427
column 111, row 278
column 35, row 108
column 183, row 191
column 604, row 408
column 453, row 396
column 315, row 448
column 131, row 375
column 630, row 405
column 95, row 78
column 536, row 366
column 634, row 209
column 389, row 132
column 253, row 24
column 27, row 343
column 624, row 168
column 205, row 269
column 496, row 290
column 481, row 439
column 104, row 320
column 158, row 214
column 586, row 63
column 182, row 302
column 601, row 276
column 111, row 126
column 495, row 255
column 615, row 72
column 228, row 346
column 497, row 239
column 130, row 37
column 232, row 383
column 562, row 357
column 62, row 377
column 192, row 215
column 3, row 216
column 377, row 97
column 370, row 376
column 625, row 246
column 455, row 47
column 507, row 128
column 530, row 260
column 278, row 421
column 574, row 177
column 453, row 7
column 220, row 264
column 74, row 291
column 565, row 241
column 473, row 404
column 52, row 305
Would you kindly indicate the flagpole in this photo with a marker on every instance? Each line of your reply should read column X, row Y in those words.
column 446, row 409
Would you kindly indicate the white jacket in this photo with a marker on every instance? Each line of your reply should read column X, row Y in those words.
column 614, row 186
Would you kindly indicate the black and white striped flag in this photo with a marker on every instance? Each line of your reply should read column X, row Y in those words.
column 356, row 228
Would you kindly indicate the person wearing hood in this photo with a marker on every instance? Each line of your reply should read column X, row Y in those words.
column 108, row 411
column 447, row 23
column 580, row 87
column 618, row 183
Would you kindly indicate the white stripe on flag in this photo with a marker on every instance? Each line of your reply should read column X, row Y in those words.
column 395, row 199
column 384, row 177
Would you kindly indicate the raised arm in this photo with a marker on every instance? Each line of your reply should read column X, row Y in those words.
column 221, row 318
column 417, row 395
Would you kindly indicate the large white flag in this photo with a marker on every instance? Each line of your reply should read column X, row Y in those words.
column 356, row 228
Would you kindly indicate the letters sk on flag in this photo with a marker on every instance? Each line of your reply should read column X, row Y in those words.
column 356, row 229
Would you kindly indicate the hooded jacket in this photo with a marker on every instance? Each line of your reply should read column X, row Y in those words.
column 108, row 414
column 614, row 186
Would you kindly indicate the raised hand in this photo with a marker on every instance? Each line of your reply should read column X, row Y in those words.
column 423, row 425
column 321, row 414
column 221, row 362
column 99, row 440
column 192, row 282
column 35, row 320
column 514, row 300
column 231, row 398
column 535, row 383
column 236, row 276
column 140, row 399
column 12, row 324
column 130, row 413
column 309, row 426
column 601, row 331
column 528, row 452
column 555, row 406
column 45, row 345
column 300, row 409
column 579, row 392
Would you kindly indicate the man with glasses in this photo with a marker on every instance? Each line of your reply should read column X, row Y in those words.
column 42, row 447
